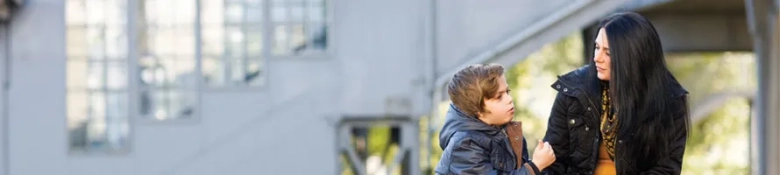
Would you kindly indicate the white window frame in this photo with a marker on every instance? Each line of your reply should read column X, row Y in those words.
column 267, row 44
column 127, row 90
column 133, row 89
column 134, row 51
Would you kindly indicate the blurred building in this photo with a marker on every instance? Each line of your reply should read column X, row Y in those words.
column 207, row 87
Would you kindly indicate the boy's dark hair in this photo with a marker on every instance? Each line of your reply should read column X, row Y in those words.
column 470, row 86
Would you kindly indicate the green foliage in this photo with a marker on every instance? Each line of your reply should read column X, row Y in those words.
column 718, row 143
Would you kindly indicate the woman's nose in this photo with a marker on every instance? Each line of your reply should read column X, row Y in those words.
column 597, row 57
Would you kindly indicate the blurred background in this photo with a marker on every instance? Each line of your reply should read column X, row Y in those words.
column 233, row 87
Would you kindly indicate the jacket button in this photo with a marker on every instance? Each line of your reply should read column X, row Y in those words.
column 565, row 89
column 620, row 141
column 517, row 137
column 588, row 108
column 558, row 86
column 586, row 128
column 572, row 122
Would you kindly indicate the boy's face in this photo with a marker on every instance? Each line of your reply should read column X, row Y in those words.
column 500, row 109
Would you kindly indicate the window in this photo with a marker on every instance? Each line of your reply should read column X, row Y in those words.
column 167, row 64
column 97, row 91
column 298, row 26
column 237, row 36
column 178, row 45
column 232, row 38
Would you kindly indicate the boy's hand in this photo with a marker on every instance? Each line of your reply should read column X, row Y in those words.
column 543, row 155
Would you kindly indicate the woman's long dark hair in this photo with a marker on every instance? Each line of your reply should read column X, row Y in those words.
column 641, row 87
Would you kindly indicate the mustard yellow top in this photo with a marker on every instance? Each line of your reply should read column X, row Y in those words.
column 606, row 165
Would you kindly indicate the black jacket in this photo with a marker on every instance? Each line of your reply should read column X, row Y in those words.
column 573, row 130
column 473, row 147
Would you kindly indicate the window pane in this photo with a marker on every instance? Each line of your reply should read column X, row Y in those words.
column 228, row 47
column 316, row 13
column 255, row 73
column 296, row 13
column 95, row 75
column 95, row 12
column 152, row 72
column 160, row 41
column 254, row 3
column 116, row 104
column 213, row 71
column 169, row 103
column 213, row 40
column 147, row 102
column 100, row 134
column 116, row 75
column 157, row 104
column 184, row 43
column 280, row 40
column 254, row 40
column 77, row 41
column 235, row 41
column 182, row 103
column 212, row 12
column 115, row 12
column 183, row 73
column 298, row 38
column 237, row 72
column 76, row 74
column 234, row 13
column 182, row 11
column 75, row 12
column 78, row 108
column 117, row 132
column 167, row 72
column 78, row 135
column 254, row 15
column 318, row 36
column 97, row 104
column 96, row 42
column 279, row 13
column 150, row 12
column 96, row 133
column 116, row 42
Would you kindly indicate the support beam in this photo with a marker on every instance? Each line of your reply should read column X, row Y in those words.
column 588, row 38
column 765, row 133
column 5, row 49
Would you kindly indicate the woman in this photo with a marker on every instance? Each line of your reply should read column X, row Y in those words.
column 624, row 113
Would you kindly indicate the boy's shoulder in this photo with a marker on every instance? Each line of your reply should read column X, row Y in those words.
column 479, row 138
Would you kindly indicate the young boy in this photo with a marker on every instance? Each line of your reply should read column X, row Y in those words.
column 476, row 134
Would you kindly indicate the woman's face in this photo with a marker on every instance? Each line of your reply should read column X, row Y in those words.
column 601, row 55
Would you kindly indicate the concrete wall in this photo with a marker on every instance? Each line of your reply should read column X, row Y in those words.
column 36, row 111
column 3, row 98
column 466, row 28
column 692, row 33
